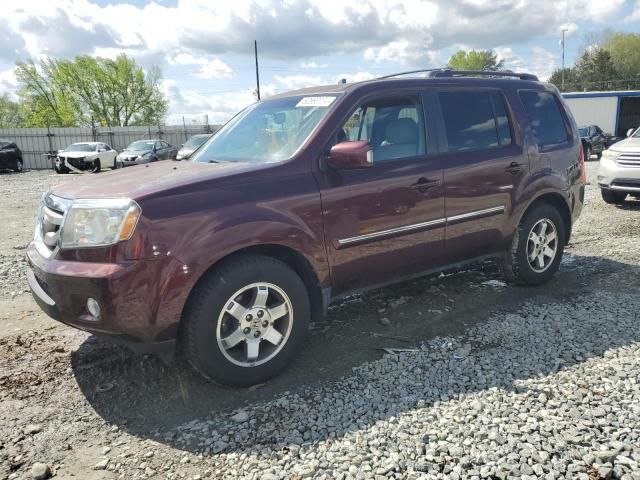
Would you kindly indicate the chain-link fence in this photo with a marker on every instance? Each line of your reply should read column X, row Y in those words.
column 37, row 143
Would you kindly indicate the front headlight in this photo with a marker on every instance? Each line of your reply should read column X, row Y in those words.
column 610, row 154
column 98, row 223
column 145, row 156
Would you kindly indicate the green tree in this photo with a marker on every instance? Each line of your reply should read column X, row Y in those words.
column 89, row 90
column 595, row 70
column 44, row 100
column 10, row 113
column 624, row 49
column 475, row 60
column 571, row 81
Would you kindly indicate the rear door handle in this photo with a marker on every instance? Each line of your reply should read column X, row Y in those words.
column 423, row 184
column 514, row 168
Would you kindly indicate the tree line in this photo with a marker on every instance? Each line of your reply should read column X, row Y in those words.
column 610, row 61
column 84, row 91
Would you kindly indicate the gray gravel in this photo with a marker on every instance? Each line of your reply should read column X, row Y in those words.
column 484, row 380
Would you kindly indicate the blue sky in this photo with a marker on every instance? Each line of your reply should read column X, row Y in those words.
column 205, row 47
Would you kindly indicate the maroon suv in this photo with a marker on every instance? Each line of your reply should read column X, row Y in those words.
column 303, row 198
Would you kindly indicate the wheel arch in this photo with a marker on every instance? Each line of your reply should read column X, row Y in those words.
column 318, row 297
column 557, row 201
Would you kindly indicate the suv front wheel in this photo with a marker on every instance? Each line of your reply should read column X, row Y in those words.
column 537, row 247
column 246, row 320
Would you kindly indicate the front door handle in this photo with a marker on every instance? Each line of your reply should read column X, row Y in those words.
column 514, row 168
column 423, row 184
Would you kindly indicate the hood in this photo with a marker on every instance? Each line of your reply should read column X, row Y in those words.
column 134, row 153
column 628, row 145
column 143, row 180
column 75, row 154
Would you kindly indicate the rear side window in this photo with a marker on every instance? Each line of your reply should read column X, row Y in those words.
column 474, row 120
column 546, row 119
column 502, row 120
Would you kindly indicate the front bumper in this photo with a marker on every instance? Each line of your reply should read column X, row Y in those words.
column 612, row 176
column 129, row 299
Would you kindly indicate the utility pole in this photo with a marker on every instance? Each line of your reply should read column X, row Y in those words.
column 563, row 31
column 255, row 48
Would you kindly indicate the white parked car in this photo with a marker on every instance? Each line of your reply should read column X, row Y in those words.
column 86, row 156
column 619, row 172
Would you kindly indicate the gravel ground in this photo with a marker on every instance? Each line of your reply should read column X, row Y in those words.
column 496, row 382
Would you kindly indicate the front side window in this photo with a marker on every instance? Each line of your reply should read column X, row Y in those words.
column 469, row 120
column 393, row 126
column 268, row 131
column 546, row 119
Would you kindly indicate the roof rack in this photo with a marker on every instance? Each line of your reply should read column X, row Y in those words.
column 449, row 73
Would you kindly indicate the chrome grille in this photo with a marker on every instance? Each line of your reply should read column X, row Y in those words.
column 629, row 160
column 50, row 219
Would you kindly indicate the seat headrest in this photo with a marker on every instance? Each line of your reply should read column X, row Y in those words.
column 402, row 130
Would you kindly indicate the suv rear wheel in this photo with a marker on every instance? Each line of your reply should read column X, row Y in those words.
column 537, row 247
column 245, row 321
column 613, row 197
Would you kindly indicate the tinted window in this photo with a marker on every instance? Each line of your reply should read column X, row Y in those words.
column 468, row 120
column 502, row 119
column 393, row 126
column 545, row 117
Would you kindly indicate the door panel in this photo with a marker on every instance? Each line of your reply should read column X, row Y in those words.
column 480, row 189
column 384, row 222
column 484, row 166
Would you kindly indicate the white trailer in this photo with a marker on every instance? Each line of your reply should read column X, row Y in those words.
column 614, row 112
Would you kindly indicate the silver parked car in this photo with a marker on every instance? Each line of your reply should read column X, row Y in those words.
column 145, row 151
column 619, row 172
column 192, row 145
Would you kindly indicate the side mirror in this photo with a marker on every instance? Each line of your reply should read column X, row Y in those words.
column 630, row 132
column 346, row 155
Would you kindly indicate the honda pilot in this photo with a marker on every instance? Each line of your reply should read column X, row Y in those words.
column 303, row 198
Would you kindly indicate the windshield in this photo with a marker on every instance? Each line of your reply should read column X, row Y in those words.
column 269, row 131
column 584, row 132
column 81, row 147
column 141, row 146
column 195, row 141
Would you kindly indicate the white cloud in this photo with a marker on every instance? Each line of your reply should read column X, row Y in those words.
column 313, row 65
column 294, row 82
column 8, row 82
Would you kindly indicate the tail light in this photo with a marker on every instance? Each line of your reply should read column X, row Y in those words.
column 583, row 167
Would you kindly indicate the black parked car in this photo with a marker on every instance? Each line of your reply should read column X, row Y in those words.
column 595, row 141
column 10, row 156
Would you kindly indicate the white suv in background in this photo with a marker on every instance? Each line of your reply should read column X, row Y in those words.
column 619, row 173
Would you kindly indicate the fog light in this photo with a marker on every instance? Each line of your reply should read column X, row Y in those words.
column 93, row 307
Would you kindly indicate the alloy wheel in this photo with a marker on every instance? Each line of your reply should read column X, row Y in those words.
column 255, row 324
column 542, row 245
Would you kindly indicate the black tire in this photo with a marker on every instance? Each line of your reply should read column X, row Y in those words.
column 18, row 167
column 204, row 310
column 612, row 197
column 599, row 155
column 116, row 164
column 516, row 266
column 587, row 152
column 95, row 168
column 61, row 170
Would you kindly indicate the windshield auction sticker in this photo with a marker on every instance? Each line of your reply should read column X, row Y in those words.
column 315, row 102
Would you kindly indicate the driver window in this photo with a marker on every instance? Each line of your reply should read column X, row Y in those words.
column 393, row 126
